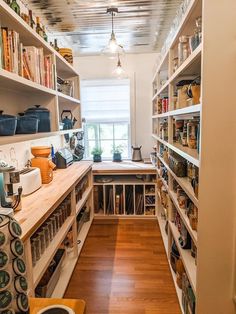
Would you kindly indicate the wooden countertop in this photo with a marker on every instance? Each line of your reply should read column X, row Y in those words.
column 39, row 205
column 124, row 167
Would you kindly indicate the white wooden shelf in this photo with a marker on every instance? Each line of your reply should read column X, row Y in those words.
column 84, row 199
column 192, row 64
column 189, row 154
column 187, row 111
column 184, row 217
column 161, row 90
column 12, row 81
column 4, row 140
column 162, row 224
column 161, row 65
column 46, row 258
column 185, row 19
column 183, row 182
column 187, row 259
column 29, row 37
column 65, row 99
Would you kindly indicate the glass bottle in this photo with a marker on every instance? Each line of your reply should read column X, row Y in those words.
column 31, row 20
column 55, row 45
column 45, row 37
column 38, row 27
column 15, row 6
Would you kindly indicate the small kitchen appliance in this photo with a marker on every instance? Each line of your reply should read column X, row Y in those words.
column 30, row 179
column 64, row 158
column 10, row 189
column 137, row 155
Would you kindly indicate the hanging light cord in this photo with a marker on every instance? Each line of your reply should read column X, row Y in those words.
column 112, row 22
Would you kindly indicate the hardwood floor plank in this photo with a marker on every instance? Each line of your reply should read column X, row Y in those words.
column 123, row 269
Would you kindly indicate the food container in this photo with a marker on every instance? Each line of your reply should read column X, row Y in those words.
column 55, row 309
column 7, row 124
column 6, row 298
column 192, row 131
column 43, row 114
column 178, row 165
column 19, row 266
column 27, row 124
column 41, row 151
column 67, row 54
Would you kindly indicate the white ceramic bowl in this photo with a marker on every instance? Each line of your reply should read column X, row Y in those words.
column 69, row 310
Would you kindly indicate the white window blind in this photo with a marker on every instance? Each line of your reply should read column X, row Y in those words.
column 106, row 100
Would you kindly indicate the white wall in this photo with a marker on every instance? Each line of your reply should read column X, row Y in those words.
column 139, row 68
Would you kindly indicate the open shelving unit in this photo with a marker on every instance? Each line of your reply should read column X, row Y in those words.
column 125, row 196
column 164, row 82
column 211, row 276
column 18, row 94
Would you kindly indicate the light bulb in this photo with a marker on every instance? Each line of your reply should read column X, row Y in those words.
column 113, row 43
column 119, row 70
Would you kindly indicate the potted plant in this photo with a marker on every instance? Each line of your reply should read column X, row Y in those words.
column 117, row 153
column 97, row 154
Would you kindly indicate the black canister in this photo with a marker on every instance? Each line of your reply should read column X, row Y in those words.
column 43, row 114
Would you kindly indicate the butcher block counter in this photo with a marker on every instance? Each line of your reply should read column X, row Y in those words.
column 124, row 167
column 39, row 205
column 71, row 191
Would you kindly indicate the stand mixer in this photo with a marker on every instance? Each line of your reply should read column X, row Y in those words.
column 10, row 189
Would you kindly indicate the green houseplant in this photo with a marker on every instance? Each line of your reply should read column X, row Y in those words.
column 97, row 154
column 117, row 151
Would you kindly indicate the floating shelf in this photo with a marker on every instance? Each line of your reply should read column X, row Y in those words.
column 188, row 111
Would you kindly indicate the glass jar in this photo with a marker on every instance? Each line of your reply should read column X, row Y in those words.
column 41, row 235
column 6, row 298
column 46, row 235
column 5, row 280
column 192, row 134
column 20, row 284
column 33, row 252
column 50, row 231
column 36, row 243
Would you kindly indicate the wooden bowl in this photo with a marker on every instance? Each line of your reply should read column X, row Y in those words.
column 41, row 151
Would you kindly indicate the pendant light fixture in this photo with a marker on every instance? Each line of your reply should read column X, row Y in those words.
column 113, row 47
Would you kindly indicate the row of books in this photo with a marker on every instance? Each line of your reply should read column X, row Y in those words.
column 26, row 61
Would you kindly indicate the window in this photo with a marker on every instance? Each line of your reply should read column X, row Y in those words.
column 106, row 109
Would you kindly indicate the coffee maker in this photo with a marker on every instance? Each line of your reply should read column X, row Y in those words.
column 10, row 190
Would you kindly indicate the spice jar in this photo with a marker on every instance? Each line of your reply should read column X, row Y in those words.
column 4, row 259
column 41, row 235
column 175, row 64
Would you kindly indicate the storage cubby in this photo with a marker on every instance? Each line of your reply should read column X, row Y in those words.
column 125, row 194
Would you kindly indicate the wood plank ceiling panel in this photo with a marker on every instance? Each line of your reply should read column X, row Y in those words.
column 140, row 26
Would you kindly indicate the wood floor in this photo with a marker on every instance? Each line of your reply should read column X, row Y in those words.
column 123, row 269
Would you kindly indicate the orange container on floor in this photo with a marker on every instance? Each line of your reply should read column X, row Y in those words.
column 46, row 167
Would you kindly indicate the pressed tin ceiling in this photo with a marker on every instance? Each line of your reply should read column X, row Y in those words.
column 140, row 26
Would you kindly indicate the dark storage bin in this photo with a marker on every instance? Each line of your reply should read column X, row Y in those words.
column 7, row 124
column 27, row 124
column 178, row 165
column 43, row 114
